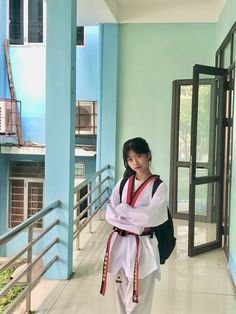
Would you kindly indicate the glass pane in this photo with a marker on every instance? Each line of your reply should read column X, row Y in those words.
column 35, row 27
column 16, row 202
column 204, row 104
column 218, row 60
column 185, row 122
column 35, row 200
column 227, row 55
column 16, row 31
column 206, row 209
column 183, row 190
column 209, row 123
column 201, row 172
column 234, row 48
column 80, row 36
column 201, row 200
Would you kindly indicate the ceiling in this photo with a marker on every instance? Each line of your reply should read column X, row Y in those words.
column 93, row 12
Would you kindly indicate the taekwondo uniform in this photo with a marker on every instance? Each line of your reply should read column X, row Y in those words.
column 132, row 255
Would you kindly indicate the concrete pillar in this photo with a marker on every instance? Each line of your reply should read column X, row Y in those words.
column 60, row 128
column 108, row 97
column 3, row 198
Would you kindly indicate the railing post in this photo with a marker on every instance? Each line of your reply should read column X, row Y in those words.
column 29, row 272
column 78, row 222
column 90, row 209
column 100, row 191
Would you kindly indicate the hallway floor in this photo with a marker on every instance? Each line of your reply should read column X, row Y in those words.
column 198, row 285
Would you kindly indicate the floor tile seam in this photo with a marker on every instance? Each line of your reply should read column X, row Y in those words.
column 216, row 293
column 197, row 292
column 67, row 282
column 64, row 287
column 38, row 286
column 56, row 299
column 84, row 256
column 91, row 241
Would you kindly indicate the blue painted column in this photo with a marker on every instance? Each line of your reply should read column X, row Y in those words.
column 106, row 145
column 3, row 198
column 3, row 36
column 60, row 127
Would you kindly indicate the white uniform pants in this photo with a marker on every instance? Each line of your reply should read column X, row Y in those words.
column 124, row 293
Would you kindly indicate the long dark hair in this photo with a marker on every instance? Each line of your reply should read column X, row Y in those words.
column 139, row 146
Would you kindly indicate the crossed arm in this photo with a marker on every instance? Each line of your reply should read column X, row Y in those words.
column 134, row 219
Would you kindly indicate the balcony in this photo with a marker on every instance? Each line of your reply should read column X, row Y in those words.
column 10, row 121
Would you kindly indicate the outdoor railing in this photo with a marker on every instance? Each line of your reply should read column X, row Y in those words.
column 31, row 282
column 98, row 192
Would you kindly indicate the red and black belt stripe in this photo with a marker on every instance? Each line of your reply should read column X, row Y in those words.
column 123, row 233
column 131, row 200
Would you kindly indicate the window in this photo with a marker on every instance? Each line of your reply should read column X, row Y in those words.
column 86, row 118
column 26, row 23
column 79, row 170
column 16, row 22
column 25, row 191
column 80, row 36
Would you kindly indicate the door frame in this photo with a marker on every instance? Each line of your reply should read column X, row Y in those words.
column 174, row 162
column 194, row 181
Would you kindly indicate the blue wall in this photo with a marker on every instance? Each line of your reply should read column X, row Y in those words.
column 28, row 71
column 90, row 165
column 87, row 59
column 19, row 241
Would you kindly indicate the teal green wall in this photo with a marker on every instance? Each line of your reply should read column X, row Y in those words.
column 151, row 56
column 226, row 20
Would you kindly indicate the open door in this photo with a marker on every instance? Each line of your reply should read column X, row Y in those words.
column 207, row 159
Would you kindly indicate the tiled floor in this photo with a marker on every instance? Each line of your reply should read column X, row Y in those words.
column 198, row 285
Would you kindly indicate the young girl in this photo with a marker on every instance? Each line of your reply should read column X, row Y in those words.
column 132, row 249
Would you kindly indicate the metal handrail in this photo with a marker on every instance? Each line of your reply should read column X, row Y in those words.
column 87, row 221
column 85, row 182
column 89, row 193
column 29, row 288
column 28, row 222
column 95, row 203
column 90, row 205
column 28, row 246
column 14, row 281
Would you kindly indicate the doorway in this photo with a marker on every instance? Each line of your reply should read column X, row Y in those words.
column 201, row 149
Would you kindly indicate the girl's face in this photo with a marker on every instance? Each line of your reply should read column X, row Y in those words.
column 138, row 162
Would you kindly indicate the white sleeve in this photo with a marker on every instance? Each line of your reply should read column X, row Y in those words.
column 147, row 216
column 115, row 218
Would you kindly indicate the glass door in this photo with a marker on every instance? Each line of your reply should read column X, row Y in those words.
column 206, row 159
column 180, row 148
column 228, row 154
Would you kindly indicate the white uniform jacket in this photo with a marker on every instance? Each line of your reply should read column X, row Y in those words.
column 148, row 212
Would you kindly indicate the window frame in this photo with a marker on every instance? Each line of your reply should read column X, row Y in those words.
column 77, row 164
column 228, row 40
column 27, row 180
column 79, row 131
column 77, row 45
column 26, row 24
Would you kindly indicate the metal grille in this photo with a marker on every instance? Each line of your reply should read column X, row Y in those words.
column 86, row 118
column 27, row 169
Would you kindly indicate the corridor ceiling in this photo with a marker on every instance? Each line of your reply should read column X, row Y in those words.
column 93, row 12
